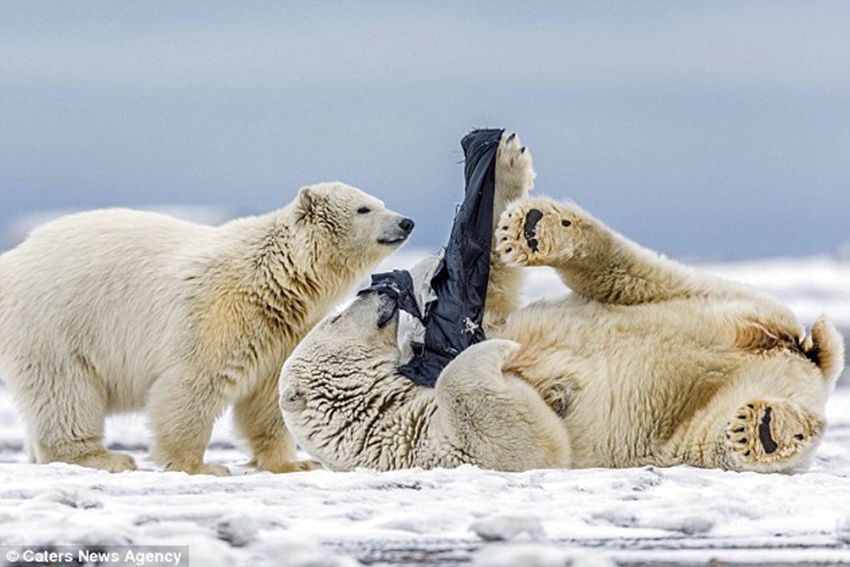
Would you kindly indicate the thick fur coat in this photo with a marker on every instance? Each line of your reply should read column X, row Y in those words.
column 118, row 310
column 646, row 362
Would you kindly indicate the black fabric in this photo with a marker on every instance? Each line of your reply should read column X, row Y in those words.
column 398, row 285
column 453, row 320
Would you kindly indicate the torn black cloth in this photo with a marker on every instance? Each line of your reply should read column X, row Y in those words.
column 453, row 320
column 398, row 285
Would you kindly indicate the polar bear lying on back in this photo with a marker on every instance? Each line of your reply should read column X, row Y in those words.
column 117, row 310
column 646, row 362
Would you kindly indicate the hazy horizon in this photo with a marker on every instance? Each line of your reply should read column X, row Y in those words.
column 710, row 130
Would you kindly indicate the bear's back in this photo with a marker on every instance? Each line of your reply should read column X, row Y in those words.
column 95, row 282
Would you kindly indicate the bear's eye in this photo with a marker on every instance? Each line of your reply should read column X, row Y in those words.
column 363, row 210
column 565, row 222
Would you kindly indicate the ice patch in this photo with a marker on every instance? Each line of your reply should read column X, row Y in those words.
column 509, row 527
column 537, row 555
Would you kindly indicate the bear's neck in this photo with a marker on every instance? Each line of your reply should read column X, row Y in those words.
column 294, row 286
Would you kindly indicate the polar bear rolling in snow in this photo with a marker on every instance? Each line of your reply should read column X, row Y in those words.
column 117, row 310
column 646, row 362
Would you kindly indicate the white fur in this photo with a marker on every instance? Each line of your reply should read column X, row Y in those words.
column 119, row 310
column 652, row 362
column 646, row 362
column 348, row 407
column 345, row 403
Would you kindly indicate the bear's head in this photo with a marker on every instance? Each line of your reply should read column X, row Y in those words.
column 786, row 377
column 346, row 228
column 338, row 374
column 819, row 354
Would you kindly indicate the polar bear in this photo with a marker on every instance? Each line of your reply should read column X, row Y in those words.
column 341, row 396
column 650, row 362
column 118, row 310
column 646, row 362
column 340, row 392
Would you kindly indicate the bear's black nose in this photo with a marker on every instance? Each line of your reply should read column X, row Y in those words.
column 406, row 225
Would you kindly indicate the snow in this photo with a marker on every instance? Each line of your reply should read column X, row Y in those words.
column 469, row 516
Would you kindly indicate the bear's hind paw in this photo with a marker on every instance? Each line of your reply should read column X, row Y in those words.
column 771, row 435
column 514, row 172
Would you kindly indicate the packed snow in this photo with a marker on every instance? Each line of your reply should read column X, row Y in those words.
column 464, row 516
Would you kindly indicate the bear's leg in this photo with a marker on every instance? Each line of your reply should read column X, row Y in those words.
column 259, row 418
column 773, row 435
column 590, row 258
column 182, row 413
column 65, row 410
column 514, row 179
column 514, row 173
column 500, row 421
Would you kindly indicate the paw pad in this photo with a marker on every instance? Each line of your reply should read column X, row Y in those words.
column 767, row 441
column 529, row 230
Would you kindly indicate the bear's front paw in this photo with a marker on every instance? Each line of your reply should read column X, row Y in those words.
column 209, row 469
column 291, row 466
column 514, row 172
column 538, row 232
column 771, row 435
column 108, row 461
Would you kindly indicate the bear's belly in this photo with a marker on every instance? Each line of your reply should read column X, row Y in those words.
column 632, row 374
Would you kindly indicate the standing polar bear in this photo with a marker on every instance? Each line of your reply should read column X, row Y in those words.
column 646, row 362
column 117, row 310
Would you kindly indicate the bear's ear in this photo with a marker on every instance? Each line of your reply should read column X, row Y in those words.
column 308, row 204
column 825, row 347
column 304, row 203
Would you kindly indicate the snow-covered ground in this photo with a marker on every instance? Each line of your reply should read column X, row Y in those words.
column 460, row 516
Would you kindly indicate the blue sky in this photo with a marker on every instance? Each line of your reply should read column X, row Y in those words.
column 701, row 129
